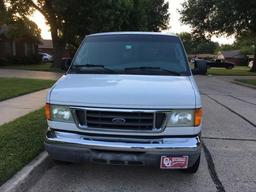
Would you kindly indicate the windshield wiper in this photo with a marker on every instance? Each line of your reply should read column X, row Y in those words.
column 94, row 66
column 153, row 69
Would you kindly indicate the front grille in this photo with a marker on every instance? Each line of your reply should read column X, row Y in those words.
column 120, row 120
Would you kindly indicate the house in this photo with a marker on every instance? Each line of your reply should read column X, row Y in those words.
column 15, row 47
column 46, row 46
column 233, row 56
column 15, row 50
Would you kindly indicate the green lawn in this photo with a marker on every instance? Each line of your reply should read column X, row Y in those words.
column 35, row 67
column 20, row 142
column 12, row 87
column 236, row 71
column 247, row 81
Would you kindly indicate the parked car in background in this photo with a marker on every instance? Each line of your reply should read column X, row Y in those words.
column 220, row 63
column 46, row 57
column 128, row 98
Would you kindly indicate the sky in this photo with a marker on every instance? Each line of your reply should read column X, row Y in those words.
column 175, row 25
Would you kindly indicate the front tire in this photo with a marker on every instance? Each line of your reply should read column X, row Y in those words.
column 229, row 67
column 194, row 168
column 45, row 60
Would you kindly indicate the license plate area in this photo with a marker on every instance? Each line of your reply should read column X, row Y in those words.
column 168, row 162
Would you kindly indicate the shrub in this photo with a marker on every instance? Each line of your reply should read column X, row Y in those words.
column 16, row 60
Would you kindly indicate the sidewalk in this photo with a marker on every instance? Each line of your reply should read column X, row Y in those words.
column 29, row 74
column 14, row 108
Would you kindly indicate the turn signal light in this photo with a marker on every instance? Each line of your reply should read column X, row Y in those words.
column 47, row 111
column 198, row 116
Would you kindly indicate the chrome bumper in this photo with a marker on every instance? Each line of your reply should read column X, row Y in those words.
column 75, row 147
column 164, row 144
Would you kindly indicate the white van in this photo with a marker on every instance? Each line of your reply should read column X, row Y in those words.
column 128, row 98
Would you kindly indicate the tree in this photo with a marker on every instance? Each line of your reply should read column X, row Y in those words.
column 222, row 17
column 71, row 20
column 198, row 44
column 18, row 27
column 3, row 13
column 226, row 47
column 244, row 43
column 158, row 16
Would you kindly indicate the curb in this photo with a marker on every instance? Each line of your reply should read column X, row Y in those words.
column 244, row 84
column 28, row 175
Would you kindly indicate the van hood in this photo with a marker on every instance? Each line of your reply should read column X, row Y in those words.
column 124, row 91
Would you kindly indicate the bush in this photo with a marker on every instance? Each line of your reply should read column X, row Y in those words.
column 244, row 62
column 3, row 61
column 16, row 60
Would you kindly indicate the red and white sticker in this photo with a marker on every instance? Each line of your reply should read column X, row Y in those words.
column 174, row 162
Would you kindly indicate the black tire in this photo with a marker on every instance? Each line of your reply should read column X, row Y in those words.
column 194, row 168
column 229, row 67
column 46, row 61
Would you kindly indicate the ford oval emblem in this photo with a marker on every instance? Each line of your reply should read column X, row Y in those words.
column 118, row 120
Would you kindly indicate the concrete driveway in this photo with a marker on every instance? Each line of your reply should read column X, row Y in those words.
column 228, row 162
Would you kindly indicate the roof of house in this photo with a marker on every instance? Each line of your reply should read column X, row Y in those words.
column 202, row 55
column 233, row 54
column 46, row 44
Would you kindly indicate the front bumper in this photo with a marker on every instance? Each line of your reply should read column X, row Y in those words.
column 74, row 147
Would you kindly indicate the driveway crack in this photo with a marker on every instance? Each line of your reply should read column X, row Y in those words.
column 231, row 110
column 242, row 100
column 212, row 170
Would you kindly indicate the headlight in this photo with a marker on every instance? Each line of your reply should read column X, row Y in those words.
column 60, row 113
column 181, row 118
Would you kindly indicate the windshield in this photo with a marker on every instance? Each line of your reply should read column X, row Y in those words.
column 131, row 54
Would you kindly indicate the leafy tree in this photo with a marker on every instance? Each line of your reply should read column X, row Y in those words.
column 222, row 17
column 198, row 44
column 18, row 27
column 157, row 13
column 244, row 43
column 3, row 13
column 227, row 47
column 71, row 20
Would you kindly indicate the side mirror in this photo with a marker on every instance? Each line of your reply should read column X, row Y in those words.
column 200, row 67
column 65, row 63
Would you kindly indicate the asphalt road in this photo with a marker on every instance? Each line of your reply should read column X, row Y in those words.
column 229, row 155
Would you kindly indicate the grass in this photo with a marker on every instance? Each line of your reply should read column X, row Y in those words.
column 20, row 142
column 12, row 87
column 35, row 67
column 247, row 81
column 236, row 71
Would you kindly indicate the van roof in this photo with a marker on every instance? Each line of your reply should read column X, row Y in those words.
column 132, row 33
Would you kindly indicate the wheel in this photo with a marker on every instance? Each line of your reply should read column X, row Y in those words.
column 229, row 67
column 194, row 168
column 46, row 61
